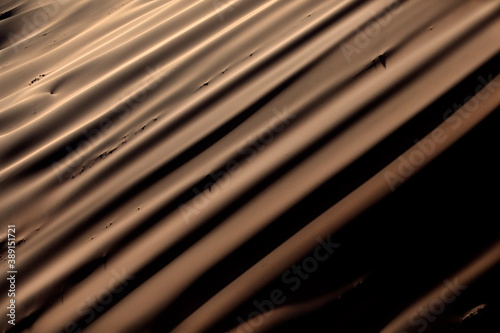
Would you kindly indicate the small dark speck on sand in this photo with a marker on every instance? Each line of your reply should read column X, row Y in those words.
column 383, row 60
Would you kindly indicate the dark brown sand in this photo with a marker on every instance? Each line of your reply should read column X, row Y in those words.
column 250, row 165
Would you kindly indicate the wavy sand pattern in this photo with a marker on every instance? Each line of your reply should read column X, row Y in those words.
column 249, row 165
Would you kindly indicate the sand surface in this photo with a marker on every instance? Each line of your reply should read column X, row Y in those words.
column 250, row 166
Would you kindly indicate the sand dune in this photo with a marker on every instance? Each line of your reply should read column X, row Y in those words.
column 249, row 166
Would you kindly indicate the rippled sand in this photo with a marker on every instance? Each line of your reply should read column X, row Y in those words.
column 250, row 166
